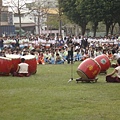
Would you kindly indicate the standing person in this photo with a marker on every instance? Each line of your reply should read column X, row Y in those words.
column 1, row 43
column 116, row 78
column 17, row 42
column 82, row 42
column 70, row 51
column 22, row 70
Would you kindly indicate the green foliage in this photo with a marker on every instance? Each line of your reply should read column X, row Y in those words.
column 52, row 22
column 84, row 11
column 47, row 95
column 70, row 8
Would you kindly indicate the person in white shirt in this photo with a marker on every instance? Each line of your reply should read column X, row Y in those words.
column 22, row 70
column 112, row 77
column 116, row 55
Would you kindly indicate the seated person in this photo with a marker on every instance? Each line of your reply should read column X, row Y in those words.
column 78, row 56
column 22, row 69
column 110, row 55
column 116, row 78
column 52, row 59
column 41, row 59
column 59, row 59
column 116, row 55
column 86, row 55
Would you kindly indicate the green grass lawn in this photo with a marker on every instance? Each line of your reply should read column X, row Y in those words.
column 47, row 95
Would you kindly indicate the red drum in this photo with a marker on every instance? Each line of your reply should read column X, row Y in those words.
column 103, row 61
column 5, row 66
column 88, row 69
column 15, row 61
column 31, row 60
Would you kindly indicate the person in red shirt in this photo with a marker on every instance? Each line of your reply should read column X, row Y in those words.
column 41, row 59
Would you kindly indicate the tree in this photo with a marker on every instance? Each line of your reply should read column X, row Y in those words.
column 56, row 20
column 111, row 11
column 94, row 13
column 82, row 12
column 119, row 22
column 116, row 15
column 17, row 7
column 75, row 13
column 39, row 9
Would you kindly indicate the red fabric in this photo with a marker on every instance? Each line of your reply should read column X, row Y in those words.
column 112, row 79
column 21, row 74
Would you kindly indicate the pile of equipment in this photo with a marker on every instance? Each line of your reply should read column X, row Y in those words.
column 9, row 64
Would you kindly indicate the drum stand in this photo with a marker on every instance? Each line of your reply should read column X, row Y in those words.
column 86, row 80
column 71, row 72
column 103, row 72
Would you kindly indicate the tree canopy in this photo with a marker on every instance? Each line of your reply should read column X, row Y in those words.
column 82, row 12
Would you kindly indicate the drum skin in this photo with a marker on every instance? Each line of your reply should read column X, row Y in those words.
column 88, row 69
column 31, row 60
column 5, row 66
column 103, row 61
column 15, row 61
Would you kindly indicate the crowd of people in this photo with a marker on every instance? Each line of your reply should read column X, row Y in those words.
column 58, row 50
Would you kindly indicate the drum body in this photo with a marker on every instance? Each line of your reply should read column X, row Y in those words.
column 103, row 61
column 5, row 66
column 88, row 69
column 15, row 61
column 31, row 60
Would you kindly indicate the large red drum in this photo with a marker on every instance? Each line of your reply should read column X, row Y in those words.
column 31, row 60
column 15, row 61
column 103, row 61
column 88, row 69
column 5, row 66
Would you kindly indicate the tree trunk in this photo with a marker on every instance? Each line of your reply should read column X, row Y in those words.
column 112, row 28
column 0, row 13
column 119, row 26
column 95, row 29
column 39, row 24
column 107, row 30
column 20, row 26
column 83, row 29
column 60, row 26
column 108, row 23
